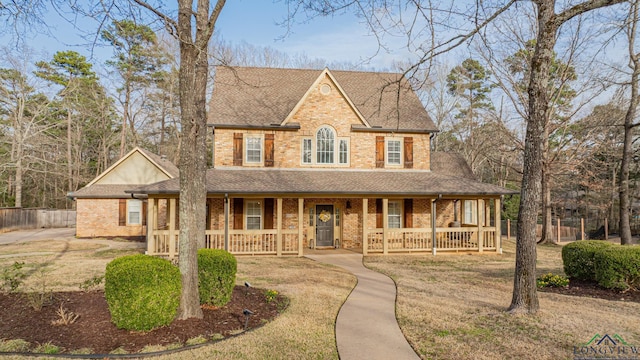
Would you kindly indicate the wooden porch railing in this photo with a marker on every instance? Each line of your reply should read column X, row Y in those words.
column 264, row 242
column 249, row 242
column 253, row 242
column 447, row 239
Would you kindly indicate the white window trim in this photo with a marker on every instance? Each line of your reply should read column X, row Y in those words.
column 340, row 139
column 246, row 213
column 332, row 131
column 302, row 151
column 336, row 149
column 130, row 211
column 400, row 216
column 386, row 152
column 246, row 150
column 474, row 212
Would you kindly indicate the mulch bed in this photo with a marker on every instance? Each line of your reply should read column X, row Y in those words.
column 94, row 329
column 593, row 290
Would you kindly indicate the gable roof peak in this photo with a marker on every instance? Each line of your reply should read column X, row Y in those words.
column 258, row 97
column 164, row 165
column 325, row 73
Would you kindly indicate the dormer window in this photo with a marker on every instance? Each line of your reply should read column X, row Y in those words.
column 325, row 148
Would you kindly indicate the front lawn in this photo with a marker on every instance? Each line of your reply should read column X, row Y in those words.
column 454, row 307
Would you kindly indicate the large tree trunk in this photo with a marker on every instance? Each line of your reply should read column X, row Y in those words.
column 194, row 67
column 525, row 297
column 192, row 178
column 627, row 152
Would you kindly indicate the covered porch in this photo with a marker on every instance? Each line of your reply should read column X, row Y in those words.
column 287, row 224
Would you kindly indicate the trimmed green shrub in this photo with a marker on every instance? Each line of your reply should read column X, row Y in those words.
column 577, row 258
column 618, row 267
column 143, row 292
column 216, row 276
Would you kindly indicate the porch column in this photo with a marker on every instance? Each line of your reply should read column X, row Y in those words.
column 300, row 226
column 156, row 213
column 481, row 219
column 487, row 213
column 279, row 227
column 226, row 222
column 151, row 226
column 433, row 226
column 385, row 225
column 365, row 241
column 498, row 208
column 172, row 228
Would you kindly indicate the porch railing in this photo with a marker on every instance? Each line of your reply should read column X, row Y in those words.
column 264, row 242
column 252, row 242
column 447, row 239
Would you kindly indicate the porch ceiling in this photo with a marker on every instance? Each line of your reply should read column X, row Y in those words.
column 331, row 182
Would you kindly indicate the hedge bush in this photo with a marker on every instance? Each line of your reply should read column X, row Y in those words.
column 577, row 258
column 216, row 276
column 143, row 292
column 618, row 267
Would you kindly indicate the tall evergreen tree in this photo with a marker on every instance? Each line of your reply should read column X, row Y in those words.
column 470, row 83
column 85, row 108
column 137, row 61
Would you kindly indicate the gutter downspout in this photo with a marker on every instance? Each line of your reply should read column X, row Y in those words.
column 431, row 143
column 226, row 222
column 433, row 224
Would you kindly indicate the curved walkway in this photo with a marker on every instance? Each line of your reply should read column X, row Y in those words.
column 366, row 327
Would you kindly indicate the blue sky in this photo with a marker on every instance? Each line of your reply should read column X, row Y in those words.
column 340, row 38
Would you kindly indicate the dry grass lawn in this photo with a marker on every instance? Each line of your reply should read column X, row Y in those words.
column 453, row 307
column 62, row 265
column 305, row 330
column 449, row 306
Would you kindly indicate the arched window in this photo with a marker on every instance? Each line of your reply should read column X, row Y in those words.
column 325, row 139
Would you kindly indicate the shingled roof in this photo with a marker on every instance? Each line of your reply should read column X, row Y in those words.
column 249, row 96
column 99, row 191
column 451, row 164
column 330, row 182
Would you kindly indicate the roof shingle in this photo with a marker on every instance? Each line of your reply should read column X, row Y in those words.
column 247, row 96
column 330, row 182
column 451, row 164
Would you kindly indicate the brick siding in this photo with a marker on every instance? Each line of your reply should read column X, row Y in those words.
column 99, row 218
column 320, row 110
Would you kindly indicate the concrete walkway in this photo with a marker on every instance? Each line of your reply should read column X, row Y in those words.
column 366, row 327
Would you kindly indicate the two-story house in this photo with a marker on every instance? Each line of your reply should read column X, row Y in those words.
column 328, row 159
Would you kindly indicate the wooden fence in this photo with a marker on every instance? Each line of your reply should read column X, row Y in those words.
column 20, row 219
